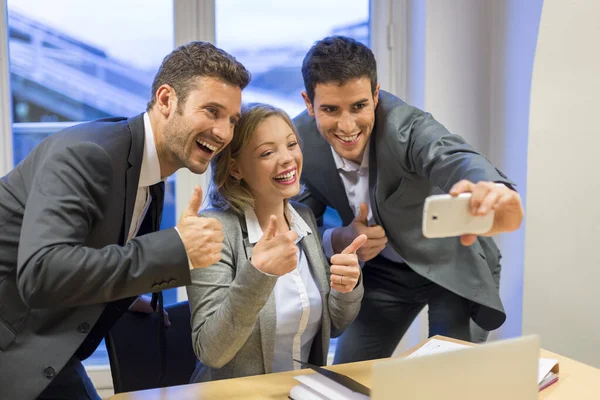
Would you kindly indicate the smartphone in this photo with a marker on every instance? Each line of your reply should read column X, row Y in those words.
column 447, row 216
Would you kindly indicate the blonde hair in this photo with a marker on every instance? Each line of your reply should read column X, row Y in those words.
column 228, row 192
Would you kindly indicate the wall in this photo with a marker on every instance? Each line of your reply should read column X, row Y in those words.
column 563, row 231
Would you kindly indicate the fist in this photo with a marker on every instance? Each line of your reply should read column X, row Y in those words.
column 275, row 254
column 202, row 237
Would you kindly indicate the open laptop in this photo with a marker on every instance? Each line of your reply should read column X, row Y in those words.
column 500, row 370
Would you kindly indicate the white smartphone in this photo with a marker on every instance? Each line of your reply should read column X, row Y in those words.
column 447, row 216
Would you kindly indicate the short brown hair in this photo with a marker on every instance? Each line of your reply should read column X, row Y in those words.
column 227, row 192
column 193, row 60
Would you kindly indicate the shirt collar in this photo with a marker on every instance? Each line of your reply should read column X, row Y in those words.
column 255, row 231
column 150, row 172
column 350, row 166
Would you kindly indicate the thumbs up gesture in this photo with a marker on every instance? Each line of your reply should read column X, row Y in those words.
column 202, row 237
column 274, row 253
column 345, row 269
column 341, row 238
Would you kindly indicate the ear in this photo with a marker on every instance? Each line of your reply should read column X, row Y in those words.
column 376, row 95
column 309, row 106
column 234, row 170
column 166, row 100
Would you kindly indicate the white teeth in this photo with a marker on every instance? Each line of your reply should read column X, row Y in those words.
column 349, row 138
column 286, row 177
column 210, row 146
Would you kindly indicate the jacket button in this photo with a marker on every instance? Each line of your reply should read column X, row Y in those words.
column 164, row 285
column 84, row 327
column 172, row 282
column 49, row 372
column 155, row 288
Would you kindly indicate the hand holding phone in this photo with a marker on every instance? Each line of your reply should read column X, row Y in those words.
column 446, row 216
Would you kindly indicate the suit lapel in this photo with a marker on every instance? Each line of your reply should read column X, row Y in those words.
column 267, row 317
column 136, row 152
column 325, row 176
column 373, row 175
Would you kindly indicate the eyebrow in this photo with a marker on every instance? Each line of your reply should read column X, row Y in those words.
column 355, row 103
column 221, row 107
column 263, row 143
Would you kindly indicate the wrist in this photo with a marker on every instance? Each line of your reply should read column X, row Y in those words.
column 337, row 240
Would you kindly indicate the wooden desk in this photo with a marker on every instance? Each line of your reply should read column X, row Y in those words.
column 577, row 382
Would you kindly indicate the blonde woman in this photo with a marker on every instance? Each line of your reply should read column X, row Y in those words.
column 273, row 297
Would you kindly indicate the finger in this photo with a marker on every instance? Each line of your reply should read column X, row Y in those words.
column 166, row 317
column 340, row 288
column 467, row 240
column 291, row 235
column 480, row 192
column 355, row 245
column 195, row 202
column 489, row 202
column 508, row 199
column 463, row 186
column 374, row 232
column 271, row 230
column 347, row 271
column 362, row 214
column 375, row 243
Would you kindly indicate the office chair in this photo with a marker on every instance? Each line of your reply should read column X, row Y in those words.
column 137, row 359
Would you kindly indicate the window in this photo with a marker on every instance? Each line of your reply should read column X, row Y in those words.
column 73, row 61
column 271, row 39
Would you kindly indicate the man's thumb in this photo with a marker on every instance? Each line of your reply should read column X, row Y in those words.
column 271, row 230
column 195, row 201
column 362, row 214
column 358, row 242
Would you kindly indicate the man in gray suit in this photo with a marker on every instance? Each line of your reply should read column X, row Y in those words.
column 79, row 220
column 375, row 159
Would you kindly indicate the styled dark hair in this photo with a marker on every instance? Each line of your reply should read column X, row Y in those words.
column 337, row 59
column 193, row 60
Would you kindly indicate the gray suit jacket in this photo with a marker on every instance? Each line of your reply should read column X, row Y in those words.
column 411, row 157
column 233, row 306
column 64, row 216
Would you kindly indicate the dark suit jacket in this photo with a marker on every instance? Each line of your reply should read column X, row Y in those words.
column 65, row 213
column 411, row 157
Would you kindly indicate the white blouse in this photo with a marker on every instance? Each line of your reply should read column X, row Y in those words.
column 298, row 301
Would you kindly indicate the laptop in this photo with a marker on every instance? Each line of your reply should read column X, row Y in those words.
column 500, row 370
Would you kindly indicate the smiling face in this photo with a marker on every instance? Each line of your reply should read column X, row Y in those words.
column 345, row 115
column 271, row 163
column 200, row 127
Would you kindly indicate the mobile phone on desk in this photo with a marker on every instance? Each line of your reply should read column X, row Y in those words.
column 446, row 216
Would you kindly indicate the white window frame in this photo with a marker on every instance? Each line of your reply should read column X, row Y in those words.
column 6, row 150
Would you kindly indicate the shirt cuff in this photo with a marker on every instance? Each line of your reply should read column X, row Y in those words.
column 327, row 246
column 188, row 257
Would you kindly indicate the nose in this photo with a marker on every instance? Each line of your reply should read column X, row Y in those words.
column 223, row 130
column 286, row 157
column 346, row 123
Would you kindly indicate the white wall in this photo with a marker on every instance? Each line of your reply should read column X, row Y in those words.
column 469, row 63
column 562, row 258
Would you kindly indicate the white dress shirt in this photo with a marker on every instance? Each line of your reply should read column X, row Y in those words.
column 356, row 184
column 149, row 175
column 298, row 301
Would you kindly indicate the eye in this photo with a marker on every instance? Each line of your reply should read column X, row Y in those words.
column 329, row 109
column 234, row 121
column 291, row 145
column 360, row 106
column 213, row 111
column 266, row 154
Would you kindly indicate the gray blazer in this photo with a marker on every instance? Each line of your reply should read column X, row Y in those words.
column 64, row 216
column 411, row 157
column 233, row 306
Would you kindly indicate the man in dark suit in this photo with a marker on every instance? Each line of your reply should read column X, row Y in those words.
column 375, row 159
column 79, row 220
